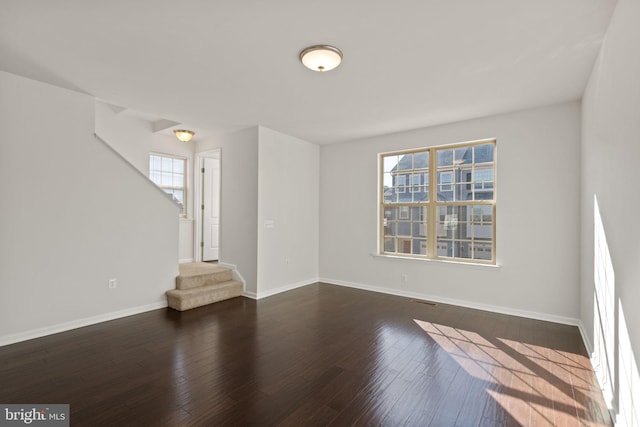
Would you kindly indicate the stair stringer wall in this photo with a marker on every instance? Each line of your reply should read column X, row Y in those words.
column 74, row 216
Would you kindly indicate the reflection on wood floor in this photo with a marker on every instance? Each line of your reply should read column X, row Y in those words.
column 317, row 355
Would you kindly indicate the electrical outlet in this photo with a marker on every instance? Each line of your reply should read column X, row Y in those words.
column 113, row 283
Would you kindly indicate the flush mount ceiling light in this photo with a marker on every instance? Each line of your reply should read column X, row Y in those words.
column 321, row 57
column 184, row 135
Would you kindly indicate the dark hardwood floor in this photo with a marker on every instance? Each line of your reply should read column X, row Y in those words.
column 318, row 355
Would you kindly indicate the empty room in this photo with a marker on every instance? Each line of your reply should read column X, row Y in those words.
column 290, row 213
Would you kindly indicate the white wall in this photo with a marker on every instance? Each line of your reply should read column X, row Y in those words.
column 610, row 153
column 134, row 140
column 74, row 215
column 131, row 137
column 238, row 201
column 537, row 216
column 288, row 204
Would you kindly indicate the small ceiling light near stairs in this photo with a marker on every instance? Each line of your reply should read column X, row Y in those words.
column 321, row 57
column 184, row 135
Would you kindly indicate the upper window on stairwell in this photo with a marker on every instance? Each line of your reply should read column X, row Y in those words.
column 169, row 173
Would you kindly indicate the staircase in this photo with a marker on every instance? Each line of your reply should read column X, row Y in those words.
column 200, row 284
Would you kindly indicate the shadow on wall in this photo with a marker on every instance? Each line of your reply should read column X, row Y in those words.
column 613, row 359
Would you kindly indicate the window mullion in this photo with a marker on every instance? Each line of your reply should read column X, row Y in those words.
column 381, row 219
column 431, row 210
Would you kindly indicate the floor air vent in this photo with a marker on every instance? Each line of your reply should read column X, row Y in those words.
column 424, row 302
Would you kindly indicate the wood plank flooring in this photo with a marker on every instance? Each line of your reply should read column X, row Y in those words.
column 318, row 355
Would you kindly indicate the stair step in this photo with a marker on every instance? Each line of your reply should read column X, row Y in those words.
column 197, row 274
column 185, row 299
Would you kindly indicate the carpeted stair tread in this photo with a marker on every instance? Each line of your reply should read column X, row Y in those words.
column 185, row 299
column 201, row 283
column 191, row 269
column 194, row 275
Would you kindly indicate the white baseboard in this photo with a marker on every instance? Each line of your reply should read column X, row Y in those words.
column 251, row 295
column 585, row 339
column 235, row 274
column 62, row 327
column 260, row 295
column 613, row 412
column 184, row 261
column 462, row 303
column 74, row 324
column 286, row 288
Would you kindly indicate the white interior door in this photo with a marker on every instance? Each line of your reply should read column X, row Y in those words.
column 211, row 209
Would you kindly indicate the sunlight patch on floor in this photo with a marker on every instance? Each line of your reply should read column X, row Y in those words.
column 533, row 383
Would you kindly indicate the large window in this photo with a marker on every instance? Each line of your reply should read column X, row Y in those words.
column 168, row 173
column 449, row 211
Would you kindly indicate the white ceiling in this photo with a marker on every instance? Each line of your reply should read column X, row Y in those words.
column 222, row 65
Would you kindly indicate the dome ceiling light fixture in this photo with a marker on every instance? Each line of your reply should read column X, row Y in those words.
column 321, row 57
column 184, row 135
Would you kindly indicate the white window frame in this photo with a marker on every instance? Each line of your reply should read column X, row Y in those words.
column 416, row 178
column 401, row 188
column 450, row 183
column 183, row 188
column 403, row 212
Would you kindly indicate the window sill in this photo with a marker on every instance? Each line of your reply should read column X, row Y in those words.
column 439, row 261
